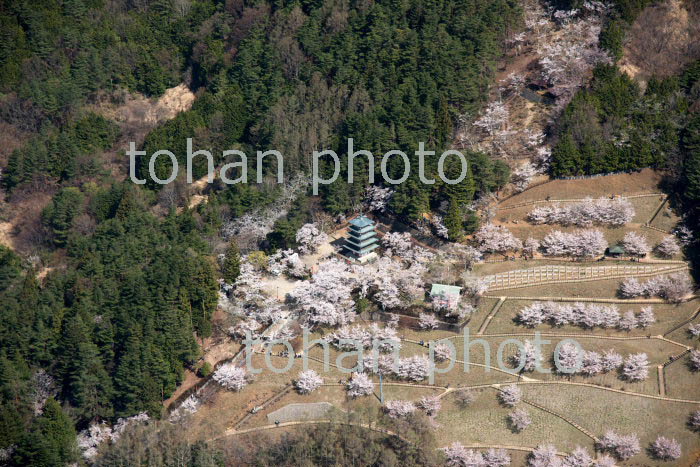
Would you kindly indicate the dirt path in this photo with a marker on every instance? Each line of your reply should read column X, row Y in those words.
column 307, row 422
column 631, row 301
column 488, row 319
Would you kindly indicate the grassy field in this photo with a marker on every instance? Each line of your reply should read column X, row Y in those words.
column 485, row 421
column 645, row 181
column 598, row 410
column 667, row 315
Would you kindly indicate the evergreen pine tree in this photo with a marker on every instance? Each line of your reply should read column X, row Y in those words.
column 231, row 268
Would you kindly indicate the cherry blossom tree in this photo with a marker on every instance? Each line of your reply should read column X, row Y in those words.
column 510, row 396
column 252, row 228
column 567, row 57
column 694, row 361
column 635, row 244
column 413, row 368
column 622, row 446
column 466, row 254
column 431, row 405
column 522, row 176
column 685, row 235
column 439, row 226
column 491, row 238
column 307, row 382
column 359, row 385
column 531, row 246
column 610, row 361
column 231, row 377
column 560, row 314
column 462, row 310
column 604, row 211
column 245, row 328
column 591, row 364
column 90, row 439
column 427, row 321
column 569, row 358
column 383, row 365
column 578, row 244
column 631, row 288
column 532, row 315
column 636, row 367
column 519, row 419
column 496, row 458
column 645, row 317
column 248, row 286
column 399, row 409
column 310, row 237
column 628, row 321
column 494, row 118
column 97, row 433
column 464, row 397
column 694, row 330
column 475, row 286
column 287, row 262
column 377, row 198
column 43, row 387
column 545, row 455
column 589, row 315
column 456, row 455
column 384, row 339
column 326, row 299
column 400, row 244
column 515, row 82
column 673, row 288
column 442, row 352
column 543, row 159
column 666, row 448
column 579, row 457
column 188, row 407
column 668, row 247
column 395, row 285
column 528, row 356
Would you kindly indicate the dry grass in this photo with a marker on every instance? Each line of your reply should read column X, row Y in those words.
column 667, row 315
column 645, row 181
column 484, row 422
column 598, row 289
column 681, row 381
column 516, row 221
column 599, row 410
column 666, row 219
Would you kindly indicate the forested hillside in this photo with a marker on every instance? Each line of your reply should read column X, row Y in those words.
column 113, row 285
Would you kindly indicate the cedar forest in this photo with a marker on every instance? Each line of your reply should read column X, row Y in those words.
column 118, row 324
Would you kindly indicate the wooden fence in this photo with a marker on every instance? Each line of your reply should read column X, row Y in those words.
column 562, row 274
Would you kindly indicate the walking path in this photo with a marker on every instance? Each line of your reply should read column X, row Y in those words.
column 368, row 427
column 494, row 310
column 231, row 432
column 628, row 301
